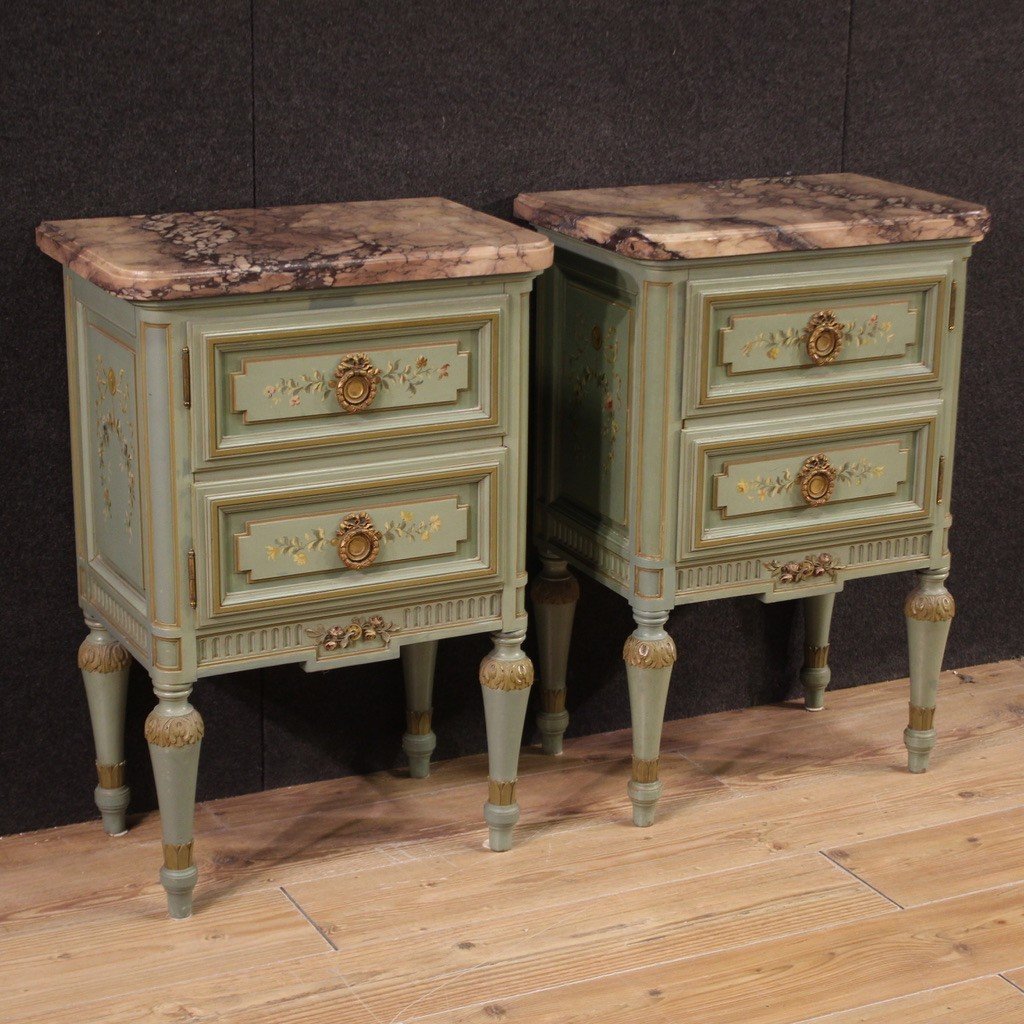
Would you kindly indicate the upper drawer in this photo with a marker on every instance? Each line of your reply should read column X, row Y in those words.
column 367, row 375
column 308, row 538
column 803, row 479
column 764, row 339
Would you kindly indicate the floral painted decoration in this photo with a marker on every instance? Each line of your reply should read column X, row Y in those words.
column 871, row 332
column 115, row 430
column 411, row 376
column 761, row 488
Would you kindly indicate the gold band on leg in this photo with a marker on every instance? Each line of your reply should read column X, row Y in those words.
column 502, row 794
column 645, row 771
column 816, row 657
column 552, row 701
column 417, row 723
column 111, row 776
column 178, row 856
column 921, row 719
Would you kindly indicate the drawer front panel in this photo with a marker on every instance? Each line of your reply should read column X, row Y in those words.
column 336, row 537
column 746, row 490
column 274, row 391
column 759, row 344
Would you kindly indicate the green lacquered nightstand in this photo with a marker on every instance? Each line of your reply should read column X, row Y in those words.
column 745, row 387
column 298, row 436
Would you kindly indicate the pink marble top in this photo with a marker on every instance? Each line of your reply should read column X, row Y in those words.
column 290, row 248
column 752, row 215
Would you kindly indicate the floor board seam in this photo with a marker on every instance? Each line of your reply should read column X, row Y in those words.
column 291, row 899
column 865, row 882
column 1011, row 982
column 831, row 1015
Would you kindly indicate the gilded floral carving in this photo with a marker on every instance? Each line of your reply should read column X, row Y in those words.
column 811, row 567
column 555, row 590
column 506, row 674
column 94, row 656
column 342, row 637
column 930, row 606
column 640, row 652
column 164, row 730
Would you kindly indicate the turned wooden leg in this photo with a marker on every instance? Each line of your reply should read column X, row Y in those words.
column 506, row 675
column 104, row 664
column 174, row 730
column 554, row 593
column 815, row 674
column 649, row 654
column 929, row 610
column 419, row 741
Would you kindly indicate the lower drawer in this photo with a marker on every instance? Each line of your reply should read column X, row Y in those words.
column 301, row 540
column 800, row 480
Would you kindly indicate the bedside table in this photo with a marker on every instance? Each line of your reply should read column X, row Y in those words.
column 298, row 436
column 745, row 387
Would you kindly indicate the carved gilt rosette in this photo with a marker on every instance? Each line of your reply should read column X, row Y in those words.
column 102, row 656
column 506, row 674
column 641, row 653
column 174, row 730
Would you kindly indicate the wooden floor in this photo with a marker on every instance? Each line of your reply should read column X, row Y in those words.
column 796, row 873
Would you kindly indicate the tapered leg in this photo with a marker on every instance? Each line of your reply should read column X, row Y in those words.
column 649, row 654
column 104, row 664
column 419, row 741
column 506, row 675
column 174, row 730
column 815, row 674
column 929, row 610
column 555, row 593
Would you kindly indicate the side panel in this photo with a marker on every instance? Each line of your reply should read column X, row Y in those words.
column 110, row 428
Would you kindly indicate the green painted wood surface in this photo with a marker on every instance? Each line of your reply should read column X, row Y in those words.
column 718, row 405
column 213, row 466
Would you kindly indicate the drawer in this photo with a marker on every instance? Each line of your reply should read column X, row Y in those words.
column 761, row 341
column 329, row 536
column 793, row 482
column 382, row 376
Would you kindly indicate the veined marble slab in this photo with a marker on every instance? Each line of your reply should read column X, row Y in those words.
column 752, row 215
column 290, row 248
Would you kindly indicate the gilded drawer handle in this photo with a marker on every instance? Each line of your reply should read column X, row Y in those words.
column 358, row 541
column 356, row 382
column 817, row 479
column 824, row 337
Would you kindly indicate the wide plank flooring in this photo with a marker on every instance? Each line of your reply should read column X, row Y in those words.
column 797, row 873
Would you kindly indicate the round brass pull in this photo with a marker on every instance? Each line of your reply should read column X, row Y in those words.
column 356, row 382
column 358, row 541
column 824, row 337
column 817, row 479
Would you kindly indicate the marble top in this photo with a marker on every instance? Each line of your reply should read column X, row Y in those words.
column 752, row 215
column 290, row 248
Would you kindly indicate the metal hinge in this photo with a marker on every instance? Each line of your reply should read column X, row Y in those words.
column 186, row 378
column 952, row 305
column 192, row 577
column 941, row 481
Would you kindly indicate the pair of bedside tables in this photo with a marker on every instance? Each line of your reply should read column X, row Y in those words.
column 299, row 435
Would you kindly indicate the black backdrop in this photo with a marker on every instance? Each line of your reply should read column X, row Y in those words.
column 117, row 108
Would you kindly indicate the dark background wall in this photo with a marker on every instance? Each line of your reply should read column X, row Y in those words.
column 120, row 108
